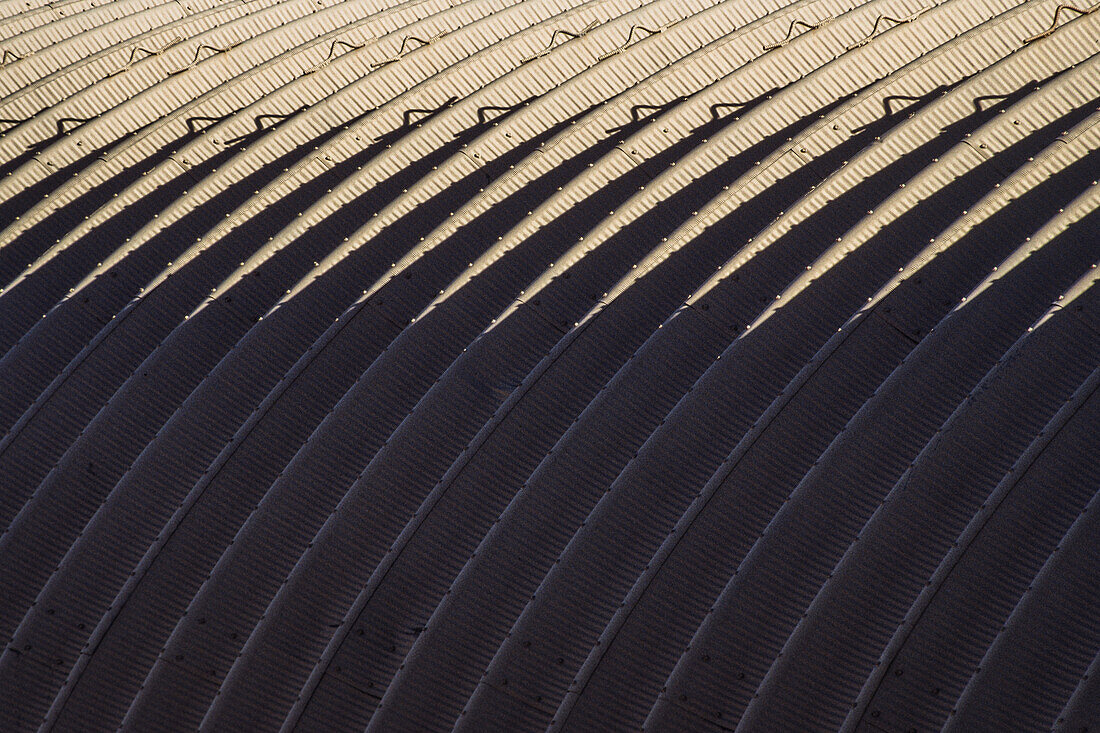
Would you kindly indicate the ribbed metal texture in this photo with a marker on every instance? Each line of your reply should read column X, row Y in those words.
column 709, row 365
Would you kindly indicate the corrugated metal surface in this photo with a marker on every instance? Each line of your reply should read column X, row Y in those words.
column 559, row 364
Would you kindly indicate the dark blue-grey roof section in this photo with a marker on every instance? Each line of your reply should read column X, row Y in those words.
column 549, row 365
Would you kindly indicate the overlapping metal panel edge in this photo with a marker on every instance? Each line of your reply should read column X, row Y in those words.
column 558, row 364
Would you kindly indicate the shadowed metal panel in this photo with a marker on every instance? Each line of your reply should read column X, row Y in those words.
column 191, row 354
column 598, row 453
column 558, row 364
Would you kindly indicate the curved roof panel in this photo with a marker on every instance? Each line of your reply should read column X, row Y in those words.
column 560, row 364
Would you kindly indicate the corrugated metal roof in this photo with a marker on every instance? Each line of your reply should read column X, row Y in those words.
column 558, row 364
